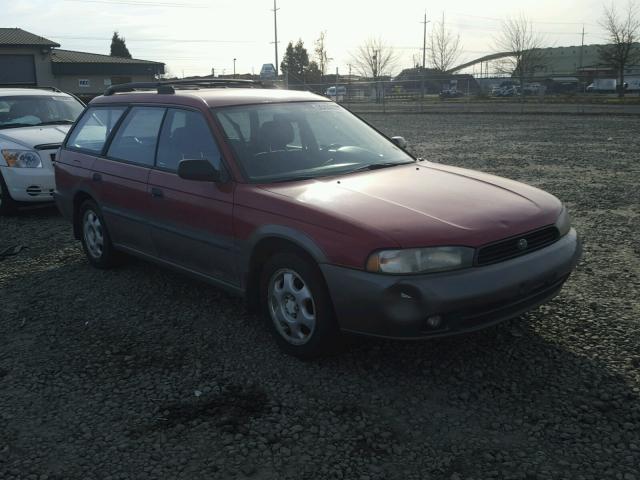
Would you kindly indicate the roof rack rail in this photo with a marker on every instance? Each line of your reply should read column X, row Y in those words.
column 36, row 87
column 166, row 86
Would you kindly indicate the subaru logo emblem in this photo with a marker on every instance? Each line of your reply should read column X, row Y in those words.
column 523, row 244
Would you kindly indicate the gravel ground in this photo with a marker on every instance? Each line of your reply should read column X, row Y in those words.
column 140, row 373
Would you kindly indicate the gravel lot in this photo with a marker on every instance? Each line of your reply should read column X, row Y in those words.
column 140, row 373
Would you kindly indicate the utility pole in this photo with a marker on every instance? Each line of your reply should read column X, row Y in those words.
column 349, row 84
column 275, row 33
column 581, row 52
column 234, row 68
column 424, row 53
column 424, row 41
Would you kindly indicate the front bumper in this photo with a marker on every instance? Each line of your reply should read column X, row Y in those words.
column 466, row 300
column 29, row 184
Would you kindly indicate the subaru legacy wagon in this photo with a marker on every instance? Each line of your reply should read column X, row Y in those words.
column 323, row 223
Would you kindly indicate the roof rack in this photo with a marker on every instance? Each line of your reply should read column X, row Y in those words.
column 167, row 86
column 35, row 87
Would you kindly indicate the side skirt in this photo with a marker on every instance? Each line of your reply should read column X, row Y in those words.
column 226, row 286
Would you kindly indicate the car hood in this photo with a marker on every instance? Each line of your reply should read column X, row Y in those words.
column 425, row 204
column 29, row 137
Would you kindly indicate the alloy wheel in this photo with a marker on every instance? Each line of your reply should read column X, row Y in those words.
column 93, row 234
column 291, row 306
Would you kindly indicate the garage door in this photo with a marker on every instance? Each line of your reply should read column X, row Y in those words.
column 17, row 70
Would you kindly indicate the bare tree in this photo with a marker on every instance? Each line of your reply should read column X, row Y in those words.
column 374, row 58
column 519, row 38
column 321, row 53
column 623, row 31
column 444, row 47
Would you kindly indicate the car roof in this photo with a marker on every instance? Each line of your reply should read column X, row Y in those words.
column 14, row 92
column 213, row 97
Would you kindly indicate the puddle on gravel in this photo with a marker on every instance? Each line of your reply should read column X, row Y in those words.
column 228, row 410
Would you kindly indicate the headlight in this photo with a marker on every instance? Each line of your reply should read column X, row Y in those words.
column 420, row 260
column 563, row 224
column 22, row 158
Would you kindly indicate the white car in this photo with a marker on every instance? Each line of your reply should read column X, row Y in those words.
column 33, row 124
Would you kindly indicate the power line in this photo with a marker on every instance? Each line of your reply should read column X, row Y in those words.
column 532, row 21
column 142, row 4
column 164, row 40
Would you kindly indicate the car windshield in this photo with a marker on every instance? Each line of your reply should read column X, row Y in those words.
column 31, row 110
column 292, row 141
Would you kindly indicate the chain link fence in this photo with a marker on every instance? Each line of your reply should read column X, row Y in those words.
column 476, row 94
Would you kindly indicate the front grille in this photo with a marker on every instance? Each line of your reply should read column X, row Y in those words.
column 34, row 190
column 512, row 247
column 473, row 317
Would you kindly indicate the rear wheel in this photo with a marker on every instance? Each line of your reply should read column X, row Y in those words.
column 8, row 205
column 297, row 306
column 96, row 242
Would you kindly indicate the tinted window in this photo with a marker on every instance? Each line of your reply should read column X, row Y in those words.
column 135, row 140
column 94, row 127
column 185, row 136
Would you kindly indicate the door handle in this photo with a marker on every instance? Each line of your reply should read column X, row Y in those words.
column 96, row 177
column 156, row 192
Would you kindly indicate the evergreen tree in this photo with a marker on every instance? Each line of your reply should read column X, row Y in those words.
column 119, row 47
column 296, row 59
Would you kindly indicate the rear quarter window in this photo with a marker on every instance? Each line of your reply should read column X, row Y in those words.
column 94, row 128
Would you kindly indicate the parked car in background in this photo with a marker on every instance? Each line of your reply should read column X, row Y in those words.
column 451, row 93
column 532, row 89
column 268, row 72
column 33, row 123
column 341, row 92
column 508, row 91
column 319, row 220
column 602, row 85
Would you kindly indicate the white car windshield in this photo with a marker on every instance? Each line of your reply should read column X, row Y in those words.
column 31, row 110
column 299, row 140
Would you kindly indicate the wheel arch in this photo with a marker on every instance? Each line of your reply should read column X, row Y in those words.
column 266, row 242
column 79, row 198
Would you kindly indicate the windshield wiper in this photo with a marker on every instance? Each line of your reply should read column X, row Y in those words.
column 55, row 122
column 16, row 125
column 376, row 166
column 295, row 179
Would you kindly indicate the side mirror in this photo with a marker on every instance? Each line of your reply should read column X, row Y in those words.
column 199, row 170
column 400, row 142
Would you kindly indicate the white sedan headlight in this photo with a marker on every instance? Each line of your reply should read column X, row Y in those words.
column 420, row 260
column 563, row 224
column 22, row 158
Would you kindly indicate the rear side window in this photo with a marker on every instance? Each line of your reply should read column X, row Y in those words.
column 186, row 136
column 94, row 128
column 135, row 140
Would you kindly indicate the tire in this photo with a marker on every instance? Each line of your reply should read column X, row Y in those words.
column 8, row 206
column 95, row 238
column 297, row 307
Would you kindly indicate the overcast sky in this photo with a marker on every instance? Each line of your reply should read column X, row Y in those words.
column 194, row 36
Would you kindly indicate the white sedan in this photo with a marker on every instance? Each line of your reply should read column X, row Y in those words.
column 33, row 124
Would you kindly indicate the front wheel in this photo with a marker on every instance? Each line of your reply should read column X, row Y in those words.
column 297, row 306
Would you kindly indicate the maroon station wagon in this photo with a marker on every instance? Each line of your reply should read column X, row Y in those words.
column 319, row 220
